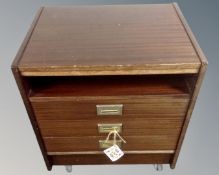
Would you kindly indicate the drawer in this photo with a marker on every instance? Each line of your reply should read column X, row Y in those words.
column 130, row 127
column 66, row 108
column 91, row 143
column 94, row 159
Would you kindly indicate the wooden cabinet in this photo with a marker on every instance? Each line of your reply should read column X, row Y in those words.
column 135, row 68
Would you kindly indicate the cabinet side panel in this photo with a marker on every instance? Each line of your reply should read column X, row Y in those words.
column 188, row 115
column 201, row 74
column 23, row 92
column 200, row 78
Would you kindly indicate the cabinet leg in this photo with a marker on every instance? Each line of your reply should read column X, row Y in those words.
column 158, row 167
column 68, row 168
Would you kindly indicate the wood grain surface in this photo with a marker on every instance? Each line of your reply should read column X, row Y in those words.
column 130, row 126
column 134, row 106
column 91, row 143
column 101, row 40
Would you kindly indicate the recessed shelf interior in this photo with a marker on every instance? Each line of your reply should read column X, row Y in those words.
column 54, row 86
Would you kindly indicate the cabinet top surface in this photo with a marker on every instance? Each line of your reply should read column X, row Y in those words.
column 119, row 39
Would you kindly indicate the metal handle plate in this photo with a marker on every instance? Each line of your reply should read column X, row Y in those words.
column 103, row 144
column 115, row 109
column 106, row 128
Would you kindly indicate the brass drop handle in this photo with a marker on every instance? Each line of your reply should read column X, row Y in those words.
column 107, row 128
column 111, row 129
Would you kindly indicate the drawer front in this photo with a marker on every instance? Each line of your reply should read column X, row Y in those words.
column 151, row 122
column 130, row 127
column 91, row 143
column 82, row 108
column 94, row 159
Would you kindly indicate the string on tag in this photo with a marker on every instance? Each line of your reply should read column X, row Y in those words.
column 114, row 152
column 115, row 134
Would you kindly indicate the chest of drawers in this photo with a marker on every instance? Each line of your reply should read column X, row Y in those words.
column 87, row 70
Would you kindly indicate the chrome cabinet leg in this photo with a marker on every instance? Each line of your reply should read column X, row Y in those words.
column 68, row 168
column 158, row 167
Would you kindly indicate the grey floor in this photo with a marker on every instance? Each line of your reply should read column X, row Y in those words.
column 19, row 151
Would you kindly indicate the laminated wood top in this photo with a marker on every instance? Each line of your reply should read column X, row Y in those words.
column 108, row 40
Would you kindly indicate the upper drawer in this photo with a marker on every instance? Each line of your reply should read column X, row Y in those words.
column 133, row 106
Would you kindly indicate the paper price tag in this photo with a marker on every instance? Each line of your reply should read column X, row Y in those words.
column 114, row 152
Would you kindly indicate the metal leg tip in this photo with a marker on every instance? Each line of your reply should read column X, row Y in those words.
column 158, row 167
column 68, row 168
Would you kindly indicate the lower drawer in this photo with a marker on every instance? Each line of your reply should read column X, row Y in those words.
column 93, row 159
column 78, row 144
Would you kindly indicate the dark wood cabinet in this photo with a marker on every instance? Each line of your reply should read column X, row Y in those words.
column 135, row 68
